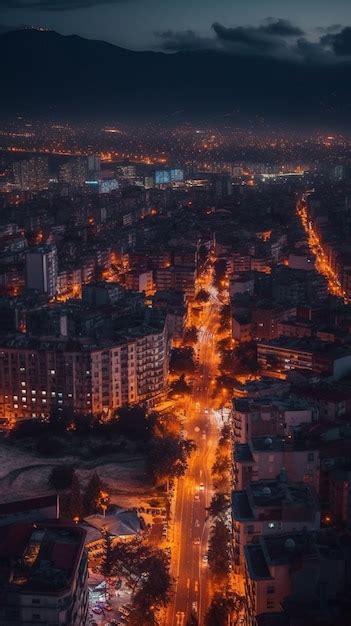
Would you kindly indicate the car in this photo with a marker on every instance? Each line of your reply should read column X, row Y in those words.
column 197, row 541
column 194, row 607
column 97, row 610
column 202, row 487
column 196, row 497
column 205, row 559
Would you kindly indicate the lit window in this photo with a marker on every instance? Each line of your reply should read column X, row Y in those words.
column 43, row 401
column 15, row 406
column 52, row 371
column 43, row 393
column 270, row 524
column 15, row 397
column 23, row 384
column 34, row 392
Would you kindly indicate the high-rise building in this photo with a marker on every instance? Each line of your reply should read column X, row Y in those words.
column 94, row 167
column 31, row 174
column 42, row 375
column 42, row 269
column 75, row 172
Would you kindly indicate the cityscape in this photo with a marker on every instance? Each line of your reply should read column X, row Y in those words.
column 175, row 315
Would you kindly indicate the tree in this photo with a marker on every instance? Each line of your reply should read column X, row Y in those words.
column 134, row 422
column 219, row 553
column 225, row 315
column 92, row 494
column 168, row 457
column 202, row 296
column 180, row 387
column 154, row 591
column 223, row 606
column 217, row 614
column 146, row 571
column 220, row 268
column 107, row 561
column 182, row 361
column 190, row 336
column 76, row 503
column 60, row 418
column 61, row 476
column 220, row 504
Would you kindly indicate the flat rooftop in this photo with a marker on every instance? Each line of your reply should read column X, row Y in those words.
column 39, row 557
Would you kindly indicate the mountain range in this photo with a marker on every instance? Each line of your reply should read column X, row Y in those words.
column 45, row 73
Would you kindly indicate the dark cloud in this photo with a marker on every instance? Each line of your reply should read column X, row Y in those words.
column 256, row 40
column 281, row 28
column 274, row 37
column 339, row 43
column 184, row 40
column 54, row 5
column 325, row 30
column 312, row 52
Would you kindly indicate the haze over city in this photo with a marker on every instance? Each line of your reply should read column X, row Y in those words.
column 175, row 313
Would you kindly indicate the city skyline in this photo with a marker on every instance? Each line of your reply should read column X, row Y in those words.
column 175, row 313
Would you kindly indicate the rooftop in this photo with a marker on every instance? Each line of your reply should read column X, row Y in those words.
column 256, row 562
column 39, row 557
column 274, row 500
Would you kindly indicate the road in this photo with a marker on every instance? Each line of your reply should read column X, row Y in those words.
column 194, row 491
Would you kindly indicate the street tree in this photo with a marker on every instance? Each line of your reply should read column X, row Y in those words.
column 168, row 457
column 182, row 361
column 220, row 504
column 225, row 608
column 219, row 548
column 180, row 387
column 190, row 336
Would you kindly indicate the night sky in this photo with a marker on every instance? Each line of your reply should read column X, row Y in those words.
column 187, row 24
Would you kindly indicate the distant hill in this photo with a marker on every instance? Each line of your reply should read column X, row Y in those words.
column 47, row 73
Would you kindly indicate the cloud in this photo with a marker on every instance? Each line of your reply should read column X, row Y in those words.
column 339, row 43
column 273, row 37
column 281, row 28
column 264, row 39
column 55, row 5
column 325, row 30
column 184, row 40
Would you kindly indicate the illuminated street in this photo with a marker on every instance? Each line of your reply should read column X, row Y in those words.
column 194, row 491
column 322, row 264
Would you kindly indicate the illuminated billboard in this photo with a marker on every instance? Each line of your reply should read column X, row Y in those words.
column 176, row 175
column 162, row 177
